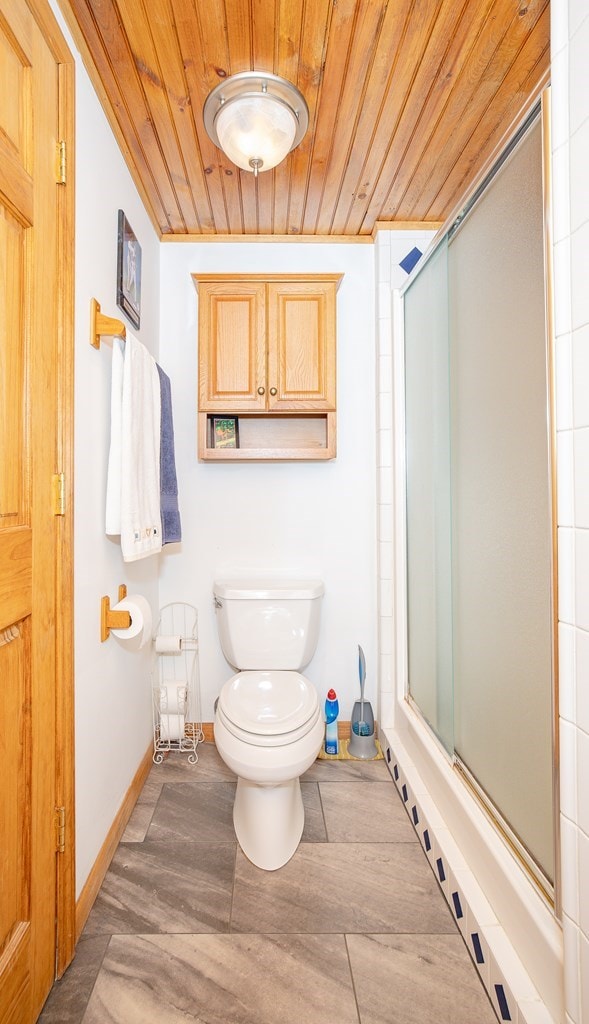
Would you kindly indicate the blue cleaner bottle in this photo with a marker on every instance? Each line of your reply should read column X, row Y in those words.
column 331, row 713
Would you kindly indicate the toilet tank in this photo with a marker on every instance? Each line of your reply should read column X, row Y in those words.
column 268, row 624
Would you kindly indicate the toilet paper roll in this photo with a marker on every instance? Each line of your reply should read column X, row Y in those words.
column 168, row 644
column 173, row 697
column 139, row 632
column 171, row 728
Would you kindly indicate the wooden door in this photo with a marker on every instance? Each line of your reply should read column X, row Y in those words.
column 232, row 346
column 33, row 562
column 301, row 346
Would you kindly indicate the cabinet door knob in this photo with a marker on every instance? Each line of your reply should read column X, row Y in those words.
column 261, row 390
column 273, row 391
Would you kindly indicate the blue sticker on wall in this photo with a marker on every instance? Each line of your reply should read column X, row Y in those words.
column 409, row 261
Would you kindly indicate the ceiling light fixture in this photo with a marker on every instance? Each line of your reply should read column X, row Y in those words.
column 256, row 118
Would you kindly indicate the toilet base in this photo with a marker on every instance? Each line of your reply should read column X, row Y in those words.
column 268, row 821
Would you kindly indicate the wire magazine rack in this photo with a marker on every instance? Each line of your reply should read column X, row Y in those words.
column 177, row 720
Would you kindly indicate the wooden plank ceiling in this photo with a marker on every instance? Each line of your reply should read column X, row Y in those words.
column 408, row 99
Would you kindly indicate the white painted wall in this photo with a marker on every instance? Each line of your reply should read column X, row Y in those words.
column 302, row 519
column 112, row 686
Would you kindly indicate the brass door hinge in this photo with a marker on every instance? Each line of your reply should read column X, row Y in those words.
column 61, row 163
column 60, row 829
column 59, row 494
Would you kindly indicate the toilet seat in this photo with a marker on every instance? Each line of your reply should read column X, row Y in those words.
column 268, row 708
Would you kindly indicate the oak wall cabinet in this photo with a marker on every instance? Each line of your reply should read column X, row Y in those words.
column 267, row 356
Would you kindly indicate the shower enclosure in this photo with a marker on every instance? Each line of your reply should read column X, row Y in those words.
column 480, row 542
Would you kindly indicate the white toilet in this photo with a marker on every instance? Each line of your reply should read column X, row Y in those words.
column 268, row 722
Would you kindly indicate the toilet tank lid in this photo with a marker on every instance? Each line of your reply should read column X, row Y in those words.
column 268, row 590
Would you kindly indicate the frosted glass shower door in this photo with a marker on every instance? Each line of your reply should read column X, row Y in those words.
column 480, row 618
column 427, row 422
column 501, row 500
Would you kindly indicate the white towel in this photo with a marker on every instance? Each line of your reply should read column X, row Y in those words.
column 137, row 434
column 113, row 479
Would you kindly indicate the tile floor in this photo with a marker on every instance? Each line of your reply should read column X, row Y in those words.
column 353, row 930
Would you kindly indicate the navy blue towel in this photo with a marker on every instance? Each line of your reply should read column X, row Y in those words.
column 171, row 528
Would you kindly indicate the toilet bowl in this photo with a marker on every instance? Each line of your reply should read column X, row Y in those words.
column 269, row 740
column 268, row 724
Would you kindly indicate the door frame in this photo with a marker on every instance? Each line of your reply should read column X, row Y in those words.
column 64, row 638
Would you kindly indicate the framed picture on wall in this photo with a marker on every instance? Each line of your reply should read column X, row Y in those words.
column 128, row 271
column 225, row 432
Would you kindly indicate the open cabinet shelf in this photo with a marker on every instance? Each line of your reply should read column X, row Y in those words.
column 264, row 438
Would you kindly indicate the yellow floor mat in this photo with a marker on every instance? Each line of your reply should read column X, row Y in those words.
column 345, row 756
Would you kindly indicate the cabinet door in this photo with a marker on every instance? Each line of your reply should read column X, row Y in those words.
column 301, row 345
column 232, row 341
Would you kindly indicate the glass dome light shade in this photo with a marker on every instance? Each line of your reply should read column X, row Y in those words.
column 256, row 131
column 256, row 118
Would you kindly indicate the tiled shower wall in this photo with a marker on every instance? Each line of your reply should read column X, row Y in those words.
column 570, row 172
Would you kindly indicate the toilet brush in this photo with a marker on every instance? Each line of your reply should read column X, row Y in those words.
column 362, row 742
column 361, row 727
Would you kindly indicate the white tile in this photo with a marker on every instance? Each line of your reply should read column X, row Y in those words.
column 429, row 810
column 565, row 490
column 387, row 681
column 386, row 634
column 385, row 448
column 478, row 947
column 385, row 411
column 506, row 961
column 569, row 868
column 584, row 979
column 563, row 359
column 581, row 469
column 385, row 487
column 534, row 1012
column 583, row 775
column 559, row 97
column 577, row 12
column 579, row 289
column 582, row 678
column 570, row 934
column 386, row 598
column 579, row 162
column 398, row 276
column 383, row 264
column 457, row 903
column 385, row 561
column 566, row 578
column 579, row 76
column 561, row 207
column 568, row 770
column 385, row 522
column 383, row 239
column 479, row 907
column 562, row 287
column 566, row 673
column 403, row 242
column 386, row 716
column 385, row 336
column 502, row 998
column 582, row 578
column 580, row 376
column 447, row 860
column 431, row 851
column 559, row 27
column 384, row 300
column 385, row 375
column 583, row 881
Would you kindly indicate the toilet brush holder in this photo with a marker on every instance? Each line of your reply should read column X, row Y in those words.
column 362, row 743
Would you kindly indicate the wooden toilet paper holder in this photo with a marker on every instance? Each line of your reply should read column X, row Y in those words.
column 110, row 619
